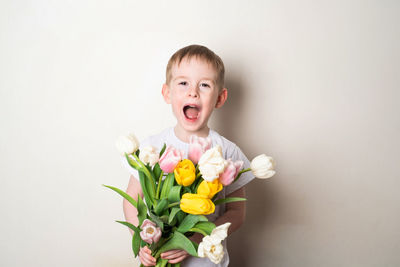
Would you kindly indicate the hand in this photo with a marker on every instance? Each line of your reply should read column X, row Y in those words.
column 145, row 257
column 175, row 255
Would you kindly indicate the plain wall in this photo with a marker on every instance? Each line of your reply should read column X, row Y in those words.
column 315, row 84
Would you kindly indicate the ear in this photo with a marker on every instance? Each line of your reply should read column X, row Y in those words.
column 166, row 93
column 222, row 96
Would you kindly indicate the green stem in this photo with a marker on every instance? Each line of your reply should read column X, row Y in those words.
column 159, row 185
column 240, row 173
column 131, row 162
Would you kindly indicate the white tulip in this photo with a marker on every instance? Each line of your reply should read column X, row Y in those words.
column 149, row 155
column 127, row 144
column 262, row 166
column 211, row 246
column 212, row 164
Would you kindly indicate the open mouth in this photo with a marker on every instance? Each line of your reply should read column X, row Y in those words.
column 191, row 112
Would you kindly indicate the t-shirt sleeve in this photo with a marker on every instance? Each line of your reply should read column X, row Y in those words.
column 246, row 177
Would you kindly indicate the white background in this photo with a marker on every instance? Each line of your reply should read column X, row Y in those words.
column 313, row 83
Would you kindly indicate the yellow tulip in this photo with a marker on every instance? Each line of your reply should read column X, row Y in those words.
column 196, row 204
column 185, row 172
column 209, row 189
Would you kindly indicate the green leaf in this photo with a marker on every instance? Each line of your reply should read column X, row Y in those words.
column 190, row 221
column 123, row 194
column 186, row 190
column 167, row 185
column 228, row 200
column 180, row 216
column 150, row 183
column 206, row 227
column 146, row 189
column 142, row 210
column 197, row 230
column 157, row 170
column 155, row 219
column 175, row 194
column 174, row 211
column 163, row 149
column 178, row 241
column 196, row 246
column 136, row 239
column 161, row 206
column 164, row 218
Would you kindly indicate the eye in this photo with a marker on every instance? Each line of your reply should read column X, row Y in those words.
column 183, row 83
column 205, row 85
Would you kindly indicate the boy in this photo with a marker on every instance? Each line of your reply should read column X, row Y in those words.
column 194, row 87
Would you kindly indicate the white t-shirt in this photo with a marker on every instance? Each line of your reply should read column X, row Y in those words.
column 229, row 150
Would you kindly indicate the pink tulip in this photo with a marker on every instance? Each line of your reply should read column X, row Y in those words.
column 170, row 159
column 197, row 146
column 150, row 233
column 231, row 171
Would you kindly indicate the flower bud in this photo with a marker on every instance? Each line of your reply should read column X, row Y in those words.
column 209, row 189
column 211, row 246
column 170, row 159
column 196, row 204
column 127, row 144
column 197, row 146
column 231, row 171
column 185, row 172
column 150, row 233
column 262, row 166
column 149, row 155
column 212, row 164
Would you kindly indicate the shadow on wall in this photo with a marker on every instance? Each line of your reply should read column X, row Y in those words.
column 260, row 198
column 225, row 120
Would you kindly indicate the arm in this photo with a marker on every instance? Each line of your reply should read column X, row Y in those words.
column 235, row 212
column 130, row 211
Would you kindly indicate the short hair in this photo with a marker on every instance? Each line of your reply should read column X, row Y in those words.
column 201, row 52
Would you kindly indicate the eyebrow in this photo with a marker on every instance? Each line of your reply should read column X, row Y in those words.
column 184, row 77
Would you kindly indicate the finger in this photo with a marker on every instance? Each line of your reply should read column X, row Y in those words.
column 169, row 253
column 146, row 258
column 179, row 259
column 175, row 255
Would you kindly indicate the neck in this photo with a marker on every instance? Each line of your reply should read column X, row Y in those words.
column 184, row 135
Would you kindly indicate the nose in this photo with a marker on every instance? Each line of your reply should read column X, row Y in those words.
column 193, row 92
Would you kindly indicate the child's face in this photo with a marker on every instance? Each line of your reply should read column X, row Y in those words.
column 193, row 94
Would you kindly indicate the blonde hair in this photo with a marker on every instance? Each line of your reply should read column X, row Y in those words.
column 201, row 52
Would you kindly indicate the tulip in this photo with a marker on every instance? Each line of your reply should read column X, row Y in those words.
column 149, row 155
column 209, row 189
column 170, row 159
column 262, row 166
column 231, row 171
column 127, row 144
column 196, row 204
column 212, row 164
column 197, row 146
column 185, row 172
column 150, row 233
column 211, row 246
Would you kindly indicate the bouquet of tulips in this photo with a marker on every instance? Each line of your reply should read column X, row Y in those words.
column 178, row 193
